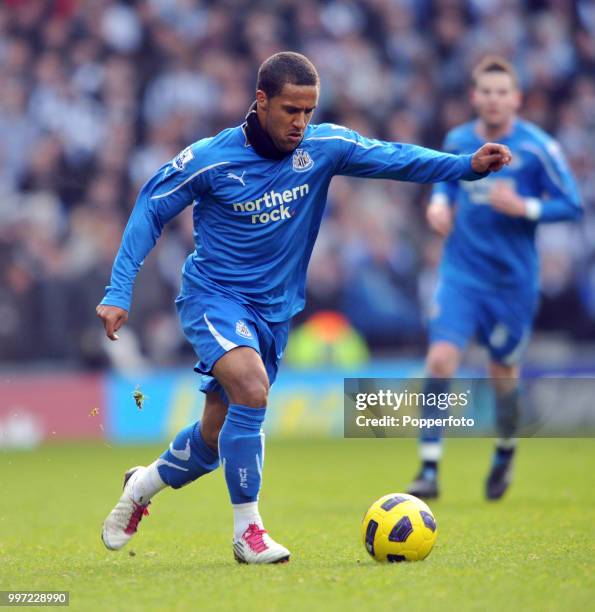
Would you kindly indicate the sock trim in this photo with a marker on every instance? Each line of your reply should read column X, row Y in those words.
column 506, row 443
column 430, row 451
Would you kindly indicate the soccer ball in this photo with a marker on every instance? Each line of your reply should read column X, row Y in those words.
column 399, row 527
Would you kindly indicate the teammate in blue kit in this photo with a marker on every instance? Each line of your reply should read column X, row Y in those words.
column 488, row 278
column 258, row 193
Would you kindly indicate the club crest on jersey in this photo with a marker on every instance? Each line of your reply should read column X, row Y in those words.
column 301, row 160
column 183, row 158
column 242, row 329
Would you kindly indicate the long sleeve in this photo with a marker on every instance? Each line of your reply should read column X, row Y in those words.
column 368, row 158
column 173, row 187
column 447, row 190
column 561, row 201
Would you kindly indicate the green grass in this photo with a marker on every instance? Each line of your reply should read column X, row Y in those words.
column 533, row 551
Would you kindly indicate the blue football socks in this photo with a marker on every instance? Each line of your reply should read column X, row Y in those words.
column 508, row 412
column 187, row 458
column 241, row 446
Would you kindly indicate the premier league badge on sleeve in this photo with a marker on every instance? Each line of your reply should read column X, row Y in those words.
column 183, row 158
column 301, row 160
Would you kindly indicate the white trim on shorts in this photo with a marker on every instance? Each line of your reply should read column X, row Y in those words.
column 223, row 342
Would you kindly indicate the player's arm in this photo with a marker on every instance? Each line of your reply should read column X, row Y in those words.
column 364, row 157
column 173, row 187
column 440, row 211
column 561, row 201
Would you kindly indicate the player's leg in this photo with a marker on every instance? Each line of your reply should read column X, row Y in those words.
column 505, row 380
column 452, row 324
column 234, row 346
column 244, row 377
column 442, row 362
column 506, row 332
column 191, row 454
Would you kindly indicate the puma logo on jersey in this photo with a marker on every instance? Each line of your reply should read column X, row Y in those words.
column 235, row 177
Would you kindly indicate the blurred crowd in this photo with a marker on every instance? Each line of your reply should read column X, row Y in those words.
column 97, row 94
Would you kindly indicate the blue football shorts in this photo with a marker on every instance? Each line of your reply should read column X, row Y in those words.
column 215, row 324
column 501, row 321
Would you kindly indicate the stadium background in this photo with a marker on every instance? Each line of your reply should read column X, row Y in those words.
column 95, row 95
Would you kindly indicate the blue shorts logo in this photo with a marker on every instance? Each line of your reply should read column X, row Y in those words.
column 242, row 329
column 301, row 160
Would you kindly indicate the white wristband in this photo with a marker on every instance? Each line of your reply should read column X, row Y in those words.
column 532, row 208
column 440, row 199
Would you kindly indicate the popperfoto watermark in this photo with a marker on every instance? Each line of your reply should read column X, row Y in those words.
column 539, row 407
column 409, row 421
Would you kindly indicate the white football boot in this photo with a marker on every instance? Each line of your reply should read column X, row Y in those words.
column 122, row 522
column 257, row 546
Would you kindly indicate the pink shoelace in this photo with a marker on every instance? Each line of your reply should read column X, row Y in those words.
column 136, row 517
column 253, row 536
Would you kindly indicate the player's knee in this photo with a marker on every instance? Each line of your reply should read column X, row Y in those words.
column 504, row 377
column 502, row 386
column 441, row 363
column 252, row 392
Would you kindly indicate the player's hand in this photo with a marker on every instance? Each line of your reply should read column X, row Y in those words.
column 439, row 217
column 113, row 318
column 490, row 157
column 506, row 200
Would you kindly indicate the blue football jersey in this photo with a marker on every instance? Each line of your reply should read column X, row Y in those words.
column 486, row 248
column 256, row 219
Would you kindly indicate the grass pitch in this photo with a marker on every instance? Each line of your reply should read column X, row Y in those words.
column 534, row 550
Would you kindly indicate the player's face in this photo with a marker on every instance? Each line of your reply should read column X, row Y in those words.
column 496, row 99
column 286, row 115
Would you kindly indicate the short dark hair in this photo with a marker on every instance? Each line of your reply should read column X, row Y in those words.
column 494, row 63
column 285, row 67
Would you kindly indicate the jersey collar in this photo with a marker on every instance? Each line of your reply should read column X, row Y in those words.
column 261, row 142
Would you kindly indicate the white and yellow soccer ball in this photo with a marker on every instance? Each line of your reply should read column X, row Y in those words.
column 399, row 527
